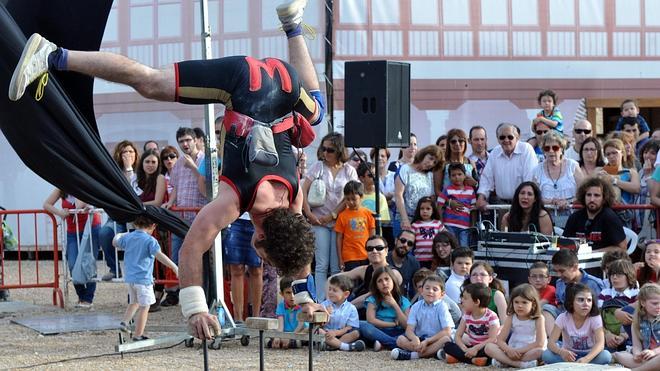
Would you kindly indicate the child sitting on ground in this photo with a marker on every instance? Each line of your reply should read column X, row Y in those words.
column 418, row 281
column 581, row 330
column 342, row 330
column 354, row 226
column 646, row 332
column 140, row 249
column 287, row 316
column 482, row 273
column 522, row 339
column 429, row 324
column 479, row 326
column 539, row 277
column 623, row 291
column 387, row 310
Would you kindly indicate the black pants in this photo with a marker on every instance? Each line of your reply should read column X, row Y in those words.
column 455, row 351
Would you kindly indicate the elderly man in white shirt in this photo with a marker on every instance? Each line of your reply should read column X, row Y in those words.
column 509, row 164
column 581, row 131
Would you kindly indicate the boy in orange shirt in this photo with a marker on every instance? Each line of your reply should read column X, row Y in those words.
column 354, row 226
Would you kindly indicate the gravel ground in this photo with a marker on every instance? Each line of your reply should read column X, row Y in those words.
column 25, row 348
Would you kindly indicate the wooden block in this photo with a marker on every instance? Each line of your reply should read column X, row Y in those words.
column 316, row 317
column 261, row 323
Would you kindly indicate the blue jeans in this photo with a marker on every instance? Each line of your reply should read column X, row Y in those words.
column 603, row 358
column 386, row 336
column 326, row 257
column 462, row 235
column 85, row 292
column 106, row 234
column 176, row 246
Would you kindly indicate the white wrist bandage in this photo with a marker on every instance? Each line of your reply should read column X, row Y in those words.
column 193, row 301
column 301, row 293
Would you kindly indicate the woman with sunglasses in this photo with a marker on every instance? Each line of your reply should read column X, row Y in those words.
column 625, row 181
column 455, row 154
column 558, row 177
column 591, row 157
column 377, row 251
column 168, row 157
column 334, row 171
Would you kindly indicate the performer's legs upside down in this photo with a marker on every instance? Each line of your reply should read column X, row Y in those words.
column 276, row 205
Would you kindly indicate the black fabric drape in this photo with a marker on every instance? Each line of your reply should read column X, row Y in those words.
column 57, row 137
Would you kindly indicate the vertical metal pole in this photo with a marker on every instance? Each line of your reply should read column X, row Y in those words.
column 261, row 350
column 310, row 359
column 329, row 54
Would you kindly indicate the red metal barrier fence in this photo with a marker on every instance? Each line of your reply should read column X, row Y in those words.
column 33, row 268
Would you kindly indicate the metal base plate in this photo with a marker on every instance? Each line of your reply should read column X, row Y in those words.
column 71, row 322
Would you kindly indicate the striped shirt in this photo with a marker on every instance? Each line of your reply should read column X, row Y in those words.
column 184, row 180
column 628, row 295
column 465, row 196
column 476, row 329
column 424, row 234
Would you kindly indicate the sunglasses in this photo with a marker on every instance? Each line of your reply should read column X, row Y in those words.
column 328, row 149
column 582, row 131
column 356, row 159
column 456, row 141
column 171, row 156
column 503, row 137
column 554, row 148
column 541, row 132
column 377, row 248
column 407, row 242
column 217, row 132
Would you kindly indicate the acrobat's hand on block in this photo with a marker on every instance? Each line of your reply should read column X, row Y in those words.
column 304, row 294
column 201, row 323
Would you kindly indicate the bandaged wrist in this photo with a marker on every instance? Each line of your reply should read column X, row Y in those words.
column 192, row 301
column 303, row 290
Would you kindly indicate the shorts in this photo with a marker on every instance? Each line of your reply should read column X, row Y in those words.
column 141, row 294
column 554, row 311
column 238, row 248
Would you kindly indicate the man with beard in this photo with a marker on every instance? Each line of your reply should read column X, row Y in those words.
column 406, row 264
column 597, row 222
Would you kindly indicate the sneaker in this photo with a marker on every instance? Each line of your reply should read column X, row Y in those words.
column 140, row 338
column 291, row 13
column 451, row 359
column 440, row 354
column 399, row 354
column 528, row 364
column 84, row 305
column 377, row 346
column 32, row 64
column 123, row 327
column 498, row 364
column 108, row 276
column 295, row 344
column 480, row 361
column 4, row 295
column 171, row 300
column 357, row 346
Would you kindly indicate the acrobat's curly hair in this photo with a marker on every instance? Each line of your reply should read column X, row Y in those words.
column 289, row 241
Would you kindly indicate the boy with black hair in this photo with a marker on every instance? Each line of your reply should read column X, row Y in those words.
column 140, row 249
column 354, row 226
column 629, row 109
column 565, row 264
column 457, row 199
column 632, row 127
column 287, row 316
column 342, row 330
column 461, row 262
column 429, row 324
column 479, row 326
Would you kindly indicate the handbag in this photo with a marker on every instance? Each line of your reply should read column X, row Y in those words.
column 84, row 269
column 317, row 192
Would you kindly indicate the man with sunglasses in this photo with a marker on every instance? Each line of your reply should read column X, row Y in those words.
column 581, row 131
column 509, row 164
column 400, row 259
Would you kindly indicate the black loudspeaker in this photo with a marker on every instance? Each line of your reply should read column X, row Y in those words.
column 377, row 104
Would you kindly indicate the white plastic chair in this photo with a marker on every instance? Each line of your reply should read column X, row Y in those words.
column 632, row 239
